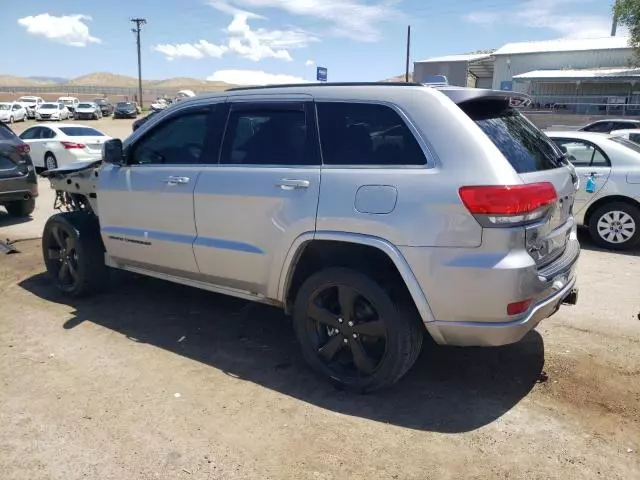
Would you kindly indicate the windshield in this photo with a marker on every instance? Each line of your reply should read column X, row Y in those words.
column 49, row 105
column 124, row 104
column 101, row 101
column 627, row 143
column 85, row 105
column 28, row 99
column 81, row 132
column 66, row 102
column 525, row 147
column 5, row 106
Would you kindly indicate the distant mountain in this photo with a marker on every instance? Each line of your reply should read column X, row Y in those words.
column 49, row 79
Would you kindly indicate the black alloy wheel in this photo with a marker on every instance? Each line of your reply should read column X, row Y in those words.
column 62, row 256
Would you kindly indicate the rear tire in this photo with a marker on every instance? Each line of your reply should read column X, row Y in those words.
column 74, row 254
column 21, row 208
column 615, row 226
column 50, row 162
column 363, row 347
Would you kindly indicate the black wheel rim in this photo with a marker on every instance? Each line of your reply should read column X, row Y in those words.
column 346, row 331
column 62, row 256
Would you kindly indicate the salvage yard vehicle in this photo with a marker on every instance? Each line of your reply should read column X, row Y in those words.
column 12, row 112
column 125, row 110
column 31, row 104
column 55, row 145
column 18, row 182
column 291, row 196
column 87, row 111
column 53, row 111
column 70, row 102
column 608, row 125
column 106, row 107
column 609, row 201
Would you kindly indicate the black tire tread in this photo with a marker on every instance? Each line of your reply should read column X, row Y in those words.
column 87, row 229
column 622, row 206
column 21, row 208
column 409, row 328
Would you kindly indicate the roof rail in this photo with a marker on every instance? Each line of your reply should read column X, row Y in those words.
column 330, row 84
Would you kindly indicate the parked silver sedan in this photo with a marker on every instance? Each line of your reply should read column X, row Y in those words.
column 608, row 201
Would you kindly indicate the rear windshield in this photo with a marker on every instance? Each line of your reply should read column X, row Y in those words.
column 81, row 132
column 525, row 147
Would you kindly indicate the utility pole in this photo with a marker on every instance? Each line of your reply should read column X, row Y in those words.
column 614, row 26
column 139, row 22
column 406, row 71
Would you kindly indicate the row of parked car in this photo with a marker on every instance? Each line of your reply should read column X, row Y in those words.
column 30, row 107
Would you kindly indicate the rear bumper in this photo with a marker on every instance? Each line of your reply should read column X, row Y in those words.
column 19, row 188
column 468, row 334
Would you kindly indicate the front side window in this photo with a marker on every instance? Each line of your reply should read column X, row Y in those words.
column 177, row 141
column 365, row 134
column 602, row 127
column 267, row 136
column 47, row 133
column 582, row 154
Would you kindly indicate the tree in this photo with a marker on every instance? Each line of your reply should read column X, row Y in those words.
column 627, row 12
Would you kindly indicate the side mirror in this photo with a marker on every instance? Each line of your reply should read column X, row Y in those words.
column 113, row 152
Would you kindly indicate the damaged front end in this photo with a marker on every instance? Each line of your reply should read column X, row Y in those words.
column 75, row 186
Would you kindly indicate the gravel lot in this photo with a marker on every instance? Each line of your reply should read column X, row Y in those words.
column 158, row 381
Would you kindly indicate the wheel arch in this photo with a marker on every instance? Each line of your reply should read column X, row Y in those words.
column 608, row 199
column 303, row 243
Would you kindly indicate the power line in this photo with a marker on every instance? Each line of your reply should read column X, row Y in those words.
column 139, row 22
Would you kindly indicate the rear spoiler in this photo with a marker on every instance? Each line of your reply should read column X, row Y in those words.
column 460, row 95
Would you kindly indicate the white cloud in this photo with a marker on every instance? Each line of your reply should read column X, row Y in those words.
column 356, row 19
column 187, row 50
column 309, row 63
column 226, row 7
column 549, row 14
column 250, row 44
column 253, row 77
column 67, row 29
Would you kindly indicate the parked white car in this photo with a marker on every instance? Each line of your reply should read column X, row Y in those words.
column 12, row 112
column 56, row 145
column 70, row 102
column 31, row 104
column 52, row 111
column 632, row 134
column 608, row 201
column 87, row 111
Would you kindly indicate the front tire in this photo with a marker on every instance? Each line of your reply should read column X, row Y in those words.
column 74, row 254
column 352, row 332
column 10, row 119
column 21, row 208
column 616, row 226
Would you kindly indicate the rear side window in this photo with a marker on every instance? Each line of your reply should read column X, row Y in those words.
column 6, row 133
column 525, row 147
column 366, row 134
column 602, row 127
column 634, row 137
column 582, row 153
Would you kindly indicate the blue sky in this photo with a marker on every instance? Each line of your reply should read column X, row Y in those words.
column 263, row 41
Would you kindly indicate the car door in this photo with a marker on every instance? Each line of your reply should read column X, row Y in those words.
column 146, row 205
column 593, row 167
column 261, row 196
column 32, row 136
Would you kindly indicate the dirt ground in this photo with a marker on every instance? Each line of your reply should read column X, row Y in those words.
column 156, row 381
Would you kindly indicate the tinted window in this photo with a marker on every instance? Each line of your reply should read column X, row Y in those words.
column 582, row 153
column 525, row 147
column 634, row 137
column 86, row 105
column 47, row 133
column 366, row 134
column 178, row 140
column 267, row 137
column 6, row 133
column 602, row 127
column 81, row 132
column 627, row 143
column 124, row 104
column 49, row 105
column 623, row 125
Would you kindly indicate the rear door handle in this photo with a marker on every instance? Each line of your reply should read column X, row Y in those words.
column 594, row 174
column 176, row 180
column 292, row 184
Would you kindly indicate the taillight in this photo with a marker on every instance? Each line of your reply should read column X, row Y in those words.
column 508, row 205
column 23, row 149
column 516, row 308
column 69, row 145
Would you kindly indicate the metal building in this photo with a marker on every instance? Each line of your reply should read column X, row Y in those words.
column 473, row 70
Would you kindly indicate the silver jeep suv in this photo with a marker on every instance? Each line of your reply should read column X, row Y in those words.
column 372, row 213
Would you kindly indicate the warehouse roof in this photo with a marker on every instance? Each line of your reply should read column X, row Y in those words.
column 597, row 73
column 564, row 45
column 457, row 58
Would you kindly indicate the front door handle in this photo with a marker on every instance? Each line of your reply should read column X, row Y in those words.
column 176, row 180
column 292, row 184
